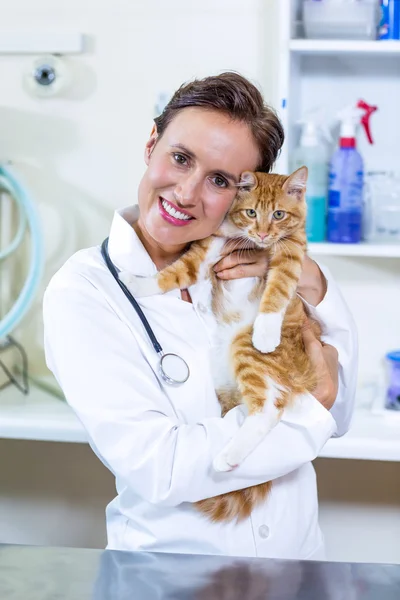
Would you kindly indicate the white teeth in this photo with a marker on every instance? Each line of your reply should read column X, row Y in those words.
column 174, row 213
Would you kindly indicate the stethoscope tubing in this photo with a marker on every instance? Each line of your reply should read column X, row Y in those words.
column 156, row 344
column 104, row 251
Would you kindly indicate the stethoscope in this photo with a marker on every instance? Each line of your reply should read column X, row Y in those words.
column 172, row 368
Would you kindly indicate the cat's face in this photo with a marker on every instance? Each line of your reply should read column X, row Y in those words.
column 268, row 208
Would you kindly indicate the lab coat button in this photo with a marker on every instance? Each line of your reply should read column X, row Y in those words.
column 264, row 532
column 202, row 308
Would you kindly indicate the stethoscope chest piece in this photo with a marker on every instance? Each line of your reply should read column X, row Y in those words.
column 174, row 370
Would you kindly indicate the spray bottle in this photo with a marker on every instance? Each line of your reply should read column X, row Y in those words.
column 313, row 153
column 346, row 177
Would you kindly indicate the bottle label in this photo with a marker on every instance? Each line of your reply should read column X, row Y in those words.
column 333, row 199
column 346, row 193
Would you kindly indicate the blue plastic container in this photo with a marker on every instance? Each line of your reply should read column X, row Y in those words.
column 393, row 391
column 389, row 28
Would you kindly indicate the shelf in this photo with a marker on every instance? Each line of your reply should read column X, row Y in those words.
column 42, row 417
column 41, row 42
column 363, row 47
column 38, row 416
column 371, row 437
column 362, row 249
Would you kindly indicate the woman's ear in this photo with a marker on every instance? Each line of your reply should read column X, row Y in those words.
column 150, row 144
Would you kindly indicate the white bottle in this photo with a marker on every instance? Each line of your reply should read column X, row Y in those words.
column 313, row 153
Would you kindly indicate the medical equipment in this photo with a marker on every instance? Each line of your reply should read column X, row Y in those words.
column 381, row 214
column 341, row 19
column 393, row 390
column 172, row 368
column 47, row 77
column 27, row 215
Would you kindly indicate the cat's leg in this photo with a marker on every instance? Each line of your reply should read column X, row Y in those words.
column 283, row 276
column 228, row 399
column 183, row 273
column 265, row 400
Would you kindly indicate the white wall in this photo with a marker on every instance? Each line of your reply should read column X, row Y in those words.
column 81, row 156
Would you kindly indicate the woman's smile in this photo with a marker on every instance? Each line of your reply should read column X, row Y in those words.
column 172, row 214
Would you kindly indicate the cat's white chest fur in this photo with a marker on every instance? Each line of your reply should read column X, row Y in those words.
column 236, row 295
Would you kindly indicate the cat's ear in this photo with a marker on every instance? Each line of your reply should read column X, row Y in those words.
column 295, row 184
column 248, row 181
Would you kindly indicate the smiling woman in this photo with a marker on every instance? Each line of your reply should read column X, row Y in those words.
column 192, row 170
column 158, row 440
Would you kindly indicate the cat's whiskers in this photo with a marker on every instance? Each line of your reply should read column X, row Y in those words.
column 293, row 243
column 296, row 244
column 249, row 245
column 285, row 248
column 240, row 243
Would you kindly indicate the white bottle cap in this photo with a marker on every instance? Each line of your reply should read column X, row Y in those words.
column 309, row 135
column 347, row 129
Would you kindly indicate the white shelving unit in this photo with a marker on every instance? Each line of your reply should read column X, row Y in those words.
column 41, row 417
column 344, row 47
column 363, row 249
column 331, row 74
column 325, row 74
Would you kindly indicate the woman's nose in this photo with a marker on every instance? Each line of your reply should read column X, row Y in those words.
column 186, row 192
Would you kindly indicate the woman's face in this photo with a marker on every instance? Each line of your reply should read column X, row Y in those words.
column 189, row 184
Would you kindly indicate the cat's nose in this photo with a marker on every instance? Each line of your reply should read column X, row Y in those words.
column 262, row 236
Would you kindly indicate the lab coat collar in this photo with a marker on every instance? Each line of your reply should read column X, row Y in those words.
column 126, row 250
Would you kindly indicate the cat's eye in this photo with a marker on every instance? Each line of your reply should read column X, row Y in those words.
column 279, row 215
column 250, row 212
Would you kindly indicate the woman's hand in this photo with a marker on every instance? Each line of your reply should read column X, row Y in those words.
column 242, row 263
column 324, row 359
column 253, row 262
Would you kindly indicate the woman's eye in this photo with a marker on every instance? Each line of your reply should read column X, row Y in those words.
column 250, row 212
column 180, row 158
column 279, row 214
column 220, row 181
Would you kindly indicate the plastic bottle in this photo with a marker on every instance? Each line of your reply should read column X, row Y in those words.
column 346, row 178
column 389, row 28
column 313, row 153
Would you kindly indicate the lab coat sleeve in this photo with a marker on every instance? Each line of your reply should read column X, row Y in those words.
column 339, row 330
column 129, row 421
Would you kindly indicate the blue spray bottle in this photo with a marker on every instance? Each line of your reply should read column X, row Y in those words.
column 346, row 178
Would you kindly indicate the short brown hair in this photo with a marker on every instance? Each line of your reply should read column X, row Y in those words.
column 236, row 96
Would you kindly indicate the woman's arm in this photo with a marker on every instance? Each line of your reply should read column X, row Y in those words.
column 129, row 420
column 339, row 331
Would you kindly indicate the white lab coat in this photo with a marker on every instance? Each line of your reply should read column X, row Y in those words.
column 159, row 441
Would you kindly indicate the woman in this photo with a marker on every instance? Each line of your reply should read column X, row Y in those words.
column 159, row 441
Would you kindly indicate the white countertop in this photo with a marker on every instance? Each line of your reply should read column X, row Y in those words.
column 37, row 416
column 40, row 416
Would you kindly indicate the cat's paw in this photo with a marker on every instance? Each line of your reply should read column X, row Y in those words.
column 139, row 286
column 222, row 462
column 267, row 332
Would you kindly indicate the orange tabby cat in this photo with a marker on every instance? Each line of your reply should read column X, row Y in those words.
column 258, row 358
